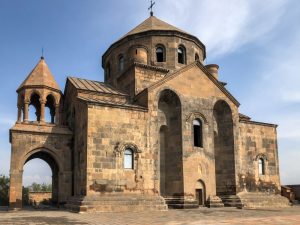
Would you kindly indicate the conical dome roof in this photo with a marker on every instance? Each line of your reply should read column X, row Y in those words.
column 152, row 24
column 40, row 76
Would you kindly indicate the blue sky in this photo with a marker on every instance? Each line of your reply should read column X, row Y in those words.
column 256, row 43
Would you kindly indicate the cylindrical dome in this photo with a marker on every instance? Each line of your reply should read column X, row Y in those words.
column 155, row 43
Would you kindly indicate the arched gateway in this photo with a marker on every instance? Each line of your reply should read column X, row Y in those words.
column 50, row 142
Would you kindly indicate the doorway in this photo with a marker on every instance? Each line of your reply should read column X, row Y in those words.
column 199, row 197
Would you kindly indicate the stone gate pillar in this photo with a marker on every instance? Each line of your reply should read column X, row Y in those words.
column 15, row 189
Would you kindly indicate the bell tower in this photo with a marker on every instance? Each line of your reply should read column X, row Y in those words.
column 41, row 136
column 41, row 91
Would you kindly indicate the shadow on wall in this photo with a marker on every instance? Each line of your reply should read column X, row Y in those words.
column 248, row 181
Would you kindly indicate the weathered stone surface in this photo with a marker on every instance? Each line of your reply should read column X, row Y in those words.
column 148, row 108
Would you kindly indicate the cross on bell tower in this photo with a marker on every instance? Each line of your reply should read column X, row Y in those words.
column 151, row 8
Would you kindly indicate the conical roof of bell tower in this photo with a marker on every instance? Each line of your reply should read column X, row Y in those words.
column 40, row 76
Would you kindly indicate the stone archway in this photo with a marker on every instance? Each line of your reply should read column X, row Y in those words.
column 224, row 149
column 54, row 169
column 16, row 175
column 170, row 136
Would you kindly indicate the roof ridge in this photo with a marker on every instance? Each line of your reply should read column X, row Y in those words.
column 175, row 73
column 87, row 79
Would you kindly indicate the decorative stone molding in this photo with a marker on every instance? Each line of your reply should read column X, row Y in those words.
column 121, row 147
column 196, row 115
column 260, row 156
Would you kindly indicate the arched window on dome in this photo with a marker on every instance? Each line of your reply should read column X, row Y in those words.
column 261, row 166
column 181, row 55
column 128, row 159
column 160, row 54
column 121, row 63
column 197, row 57
column 197, row 130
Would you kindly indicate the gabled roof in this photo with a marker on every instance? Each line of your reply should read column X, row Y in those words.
column 176, row 73
column 94, row 86
column 40, row 76
column 153, row 23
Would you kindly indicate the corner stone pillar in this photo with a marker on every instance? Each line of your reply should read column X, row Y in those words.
column 57, row 114
column 26, row 105
column 19, row 114
column 15, row 189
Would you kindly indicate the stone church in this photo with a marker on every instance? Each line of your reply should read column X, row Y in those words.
column 162, row 131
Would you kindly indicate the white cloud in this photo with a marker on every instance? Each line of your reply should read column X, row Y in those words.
column 225, row 26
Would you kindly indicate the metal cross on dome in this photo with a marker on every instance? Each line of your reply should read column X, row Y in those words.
column 151, row 8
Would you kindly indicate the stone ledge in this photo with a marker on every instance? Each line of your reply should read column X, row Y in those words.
column 40, row 128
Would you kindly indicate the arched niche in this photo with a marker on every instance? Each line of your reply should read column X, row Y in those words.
column 170, row 152
column 224, row 149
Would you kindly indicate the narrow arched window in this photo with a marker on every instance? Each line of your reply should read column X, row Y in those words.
column 196, row 57
column 197, row 128
column 121, row 63
column 261, row 166
column 181, row 55
column 128, row 159
column 107, row 71
column 160, row 54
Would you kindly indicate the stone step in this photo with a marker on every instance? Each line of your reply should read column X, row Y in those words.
column 116, row 203
column 231, row 201
column 263, row 200
column 180, row 203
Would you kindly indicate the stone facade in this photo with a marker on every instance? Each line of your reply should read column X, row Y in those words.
column 37, row 198
column 161, row 129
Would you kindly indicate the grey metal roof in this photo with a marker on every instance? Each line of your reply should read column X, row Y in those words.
column 95, row 86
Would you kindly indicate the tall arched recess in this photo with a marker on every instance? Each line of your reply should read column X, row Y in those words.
column 170, row 131
column 224, row 149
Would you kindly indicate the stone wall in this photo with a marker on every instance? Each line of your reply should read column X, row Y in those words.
column 258, row 140
column 37, row 198
column 50, row 143
column 194, row 89
column 80, row 148
column 296, row 190
column 110, row 131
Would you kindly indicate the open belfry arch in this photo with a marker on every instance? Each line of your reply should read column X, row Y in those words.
column 162, row 131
